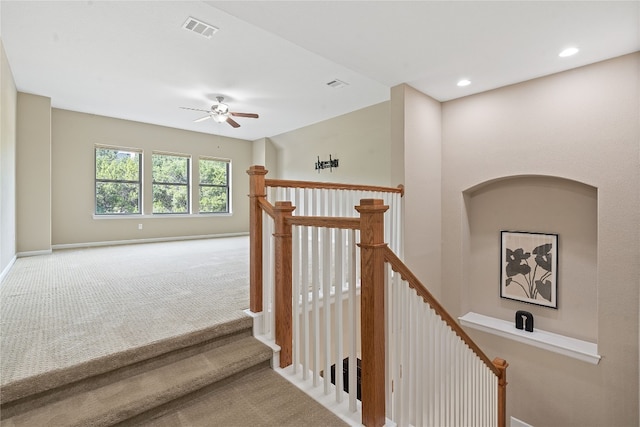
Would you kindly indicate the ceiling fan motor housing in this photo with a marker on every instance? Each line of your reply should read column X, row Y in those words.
column 220, row 111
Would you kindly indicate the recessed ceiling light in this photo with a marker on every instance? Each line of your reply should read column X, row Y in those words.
column 464, row 82
column 568, row 52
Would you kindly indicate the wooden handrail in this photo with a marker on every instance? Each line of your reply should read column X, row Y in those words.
column 267, row 207
column 331, row 186
column 399, row 267
column 325, row 221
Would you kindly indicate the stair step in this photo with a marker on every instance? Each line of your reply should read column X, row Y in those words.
column 33, row 392
column 128, row 397
column 259, row 398
column 87, row 374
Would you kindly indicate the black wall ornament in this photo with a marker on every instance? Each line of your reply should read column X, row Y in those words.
column 326, row 164
column 524, row 320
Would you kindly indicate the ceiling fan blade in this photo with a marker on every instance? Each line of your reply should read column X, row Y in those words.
column 249, row 115
column 232, row 122
column 208, row 116
column 196, row 109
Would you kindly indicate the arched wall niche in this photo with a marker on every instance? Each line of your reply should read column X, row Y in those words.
column 542, row 204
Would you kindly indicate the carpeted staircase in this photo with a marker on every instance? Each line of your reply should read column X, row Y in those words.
column 217, row 376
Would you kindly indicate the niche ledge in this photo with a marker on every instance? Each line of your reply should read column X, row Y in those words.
column 578, row 349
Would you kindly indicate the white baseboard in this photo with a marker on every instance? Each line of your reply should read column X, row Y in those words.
column 517, row 423
column 150, row 240
column 33, row 253
column 6, row 270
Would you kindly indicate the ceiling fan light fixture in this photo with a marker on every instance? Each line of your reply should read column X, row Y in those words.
column 220, row 111
column 220, row 118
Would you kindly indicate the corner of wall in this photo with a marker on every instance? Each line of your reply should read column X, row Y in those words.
column 33, row 171
column 416, row 129
column 8, row 108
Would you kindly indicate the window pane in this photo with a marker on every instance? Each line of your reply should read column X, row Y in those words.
column 213, row 172
column 170, row 184
column 170, row 169
column 117, row 181
column 117, row 165
column 117, row 198
column 170, row 198
column 213, row 199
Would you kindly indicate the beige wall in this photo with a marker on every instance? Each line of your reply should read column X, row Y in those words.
column 581, row 125
column 416, row 158
column 265, row 154
column 359, row 140
column 543, row 205
column 73, row 139
column 8, row 102
column 33, row 166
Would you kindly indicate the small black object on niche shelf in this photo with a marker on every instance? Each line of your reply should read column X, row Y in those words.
column 524, row 320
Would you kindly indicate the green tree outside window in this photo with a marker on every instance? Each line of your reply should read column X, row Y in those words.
column 170, row 183
column 117, row 182
column 214, row 186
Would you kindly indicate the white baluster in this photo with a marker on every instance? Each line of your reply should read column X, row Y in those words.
column 431, row 360
column 326, row 303
column 353, row 324
column 388, row 376
column 339, row 333
column 412, row 355
column 315, row 292
column 295, row 291
column 268, row 277
column 304, row 291
column 420, row 366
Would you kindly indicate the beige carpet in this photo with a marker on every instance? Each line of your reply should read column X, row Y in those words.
column 72, row 306
column 254, row 400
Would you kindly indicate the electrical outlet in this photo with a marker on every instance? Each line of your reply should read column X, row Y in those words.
column 139, row 226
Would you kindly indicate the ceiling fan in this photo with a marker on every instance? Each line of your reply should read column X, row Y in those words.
column 220, row 113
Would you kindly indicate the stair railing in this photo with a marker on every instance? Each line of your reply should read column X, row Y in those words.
column 440, row 376
column 418, row 366
column 318, row 199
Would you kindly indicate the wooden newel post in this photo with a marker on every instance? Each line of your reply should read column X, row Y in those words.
column 256, row 191
column 283, row 277
column 502, row 364
column 372, row 249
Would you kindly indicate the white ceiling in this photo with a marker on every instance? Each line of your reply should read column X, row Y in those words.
column 133, row 60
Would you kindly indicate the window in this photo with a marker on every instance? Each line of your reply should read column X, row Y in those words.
column 170, row 183
column 214, row 186
column 118, row 182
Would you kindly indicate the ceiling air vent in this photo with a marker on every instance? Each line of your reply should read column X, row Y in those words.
column 205, row 30
column 336, row 84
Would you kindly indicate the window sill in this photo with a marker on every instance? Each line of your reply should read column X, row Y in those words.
column 160, row 216
column 578, row 349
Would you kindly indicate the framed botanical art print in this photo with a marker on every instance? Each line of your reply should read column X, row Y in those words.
column 529, row 268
